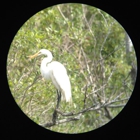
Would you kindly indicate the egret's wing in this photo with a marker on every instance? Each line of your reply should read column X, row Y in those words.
column 61, row 80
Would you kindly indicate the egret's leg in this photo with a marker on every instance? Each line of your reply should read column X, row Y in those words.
column 58, row 98
column 57, row 105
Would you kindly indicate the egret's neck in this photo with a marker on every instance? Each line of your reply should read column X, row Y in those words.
column 46, row 60
column 49, row 58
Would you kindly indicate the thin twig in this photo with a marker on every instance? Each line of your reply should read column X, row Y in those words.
column 89, row 27
column 85, row 97
column 116, row 106
column 115, row 101
column 87, row 66
column 102, row 16
column 62, row 13
column 102, row 46
column 35, row 80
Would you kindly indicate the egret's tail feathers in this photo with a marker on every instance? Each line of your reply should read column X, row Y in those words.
column 67, row 96
column 69, row 100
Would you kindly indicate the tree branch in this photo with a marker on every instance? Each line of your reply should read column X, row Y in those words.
column 79, row 114
column 60, row 122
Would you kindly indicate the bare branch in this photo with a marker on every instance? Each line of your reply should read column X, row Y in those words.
column 35, row 80
column 85, row 97
column 89, row 27
column 115, row 100
column 99, row 88
column 102, row 46
column 89, row 72
column 107, row 113
column 26, row 89
column 60, row 122
column 116, row 106
column 62, row 13
column 79, row 114
column 103, row 17
column 92, row 108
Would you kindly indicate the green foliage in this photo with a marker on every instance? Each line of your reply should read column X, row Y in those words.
column 92, row 47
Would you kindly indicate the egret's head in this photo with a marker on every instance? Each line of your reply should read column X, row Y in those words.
column 41, row 52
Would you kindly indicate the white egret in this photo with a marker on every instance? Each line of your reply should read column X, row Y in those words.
column 57, row 73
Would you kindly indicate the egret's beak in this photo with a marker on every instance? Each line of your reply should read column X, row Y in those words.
column 33, row 56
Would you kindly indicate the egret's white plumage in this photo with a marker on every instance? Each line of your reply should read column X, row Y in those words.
column 56, row 72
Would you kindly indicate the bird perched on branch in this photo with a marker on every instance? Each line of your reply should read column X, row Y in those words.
column 57, row 73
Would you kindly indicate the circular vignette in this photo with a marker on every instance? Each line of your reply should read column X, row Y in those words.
column 98, row 55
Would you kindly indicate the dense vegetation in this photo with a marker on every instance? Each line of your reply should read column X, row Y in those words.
column 99, row 57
